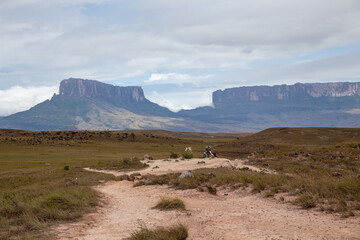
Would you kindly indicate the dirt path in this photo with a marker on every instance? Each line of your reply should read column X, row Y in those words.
column 158, row 167
column 237, row 215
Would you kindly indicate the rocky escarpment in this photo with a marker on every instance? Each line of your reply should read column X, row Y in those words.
column 92, row 105
column 286, row 92
column 76, row 88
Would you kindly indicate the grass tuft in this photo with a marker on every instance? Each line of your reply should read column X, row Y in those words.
column 306, row 201
column 173, row 155
column 187, row 155
column 179, row 232
column 125, row 163
column 170, row 204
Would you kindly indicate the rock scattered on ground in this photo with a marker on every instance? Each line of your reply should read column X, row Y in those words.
column 186, row 174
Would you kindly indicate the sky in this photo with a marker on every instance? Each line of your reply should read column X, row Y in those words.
column 178, row 51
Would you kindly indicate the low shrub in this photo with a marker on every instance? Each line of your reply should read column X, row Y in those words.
column 125, row 163
column 306, row 201
column 212, row 190
column 354, row 145
column 173, row 155
column 170, row 204
column 179, row 232
column 187, row 155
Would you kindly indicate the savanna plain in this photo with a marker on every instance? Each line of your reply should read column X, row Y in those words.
column 281, row 183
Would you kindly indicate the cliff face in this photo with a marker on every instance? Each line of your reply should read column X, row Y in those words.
column 88, row 104
column 286, row 92
column 75, row 88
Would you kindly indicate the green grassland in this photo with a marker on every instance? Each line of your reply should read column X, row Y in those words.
column 319, row 167
column 42, row 181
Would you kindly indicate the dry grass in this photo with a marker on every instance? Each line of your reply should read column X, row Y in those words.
column 170, row 204
column 306, row 201
column 174, row 155
column 187, row 155
column 126, row 163
column 178, row 232
column 42, row 180
column 311, row 190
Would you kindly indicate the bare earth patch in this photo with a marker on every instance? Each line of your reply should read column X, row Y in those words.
column 158, row 167
column 237, row 215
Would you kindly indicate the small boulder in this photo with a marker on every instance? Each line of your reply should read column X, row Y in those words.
column 186, row 174
column 201, row 162
column 336, row 174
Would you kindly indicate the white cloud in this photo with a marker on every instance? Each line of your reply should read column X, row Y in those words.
column 53, row 40
column 183, row 100
column 18, row 98
column 201, row 42
column 169, row 78
column 176, row 78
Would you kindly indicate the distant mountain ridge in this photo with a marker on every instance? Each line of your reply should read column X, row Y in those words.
column 299, row 105
column 93, row 105
column 287, row 92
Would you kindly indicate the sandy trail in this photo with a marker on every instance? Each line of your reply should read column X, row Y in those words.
column 237, row 215
column 158, row 167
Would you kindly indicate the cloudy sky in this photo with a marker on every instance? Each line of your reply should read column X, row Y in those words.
column 178, row 51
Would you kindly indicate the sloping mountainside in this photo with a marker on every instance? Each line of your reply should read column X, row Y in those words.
column 92, row 105
column 299, row 105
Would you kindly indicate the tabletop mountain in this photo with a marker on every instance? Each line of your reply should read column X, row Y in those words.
column 93, row 105
column 89, row 104
column 299, row 105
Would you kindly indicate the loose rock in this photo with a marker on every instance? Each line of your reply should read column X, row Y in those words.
column 186, row 174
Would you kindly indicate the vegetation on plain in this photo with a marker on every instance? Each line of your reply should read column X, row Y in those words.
column 187, row 155
column 121, row 164
column 173, row 155
column 42, row 180
column 320, row 167
column 178, row 232
column 170, row 204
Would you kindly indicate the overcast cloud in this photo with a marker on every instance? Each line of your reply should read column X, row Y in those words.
column 192, row 47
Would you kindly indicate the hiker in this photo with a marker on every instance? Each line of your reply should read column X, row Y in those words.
column 208, row 151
